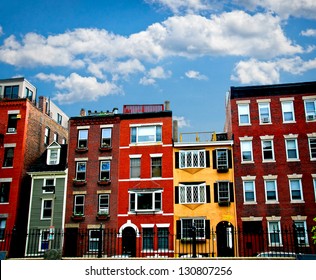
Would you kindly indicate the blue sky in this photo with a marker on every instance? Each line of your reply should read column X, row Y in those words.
column 103, row 54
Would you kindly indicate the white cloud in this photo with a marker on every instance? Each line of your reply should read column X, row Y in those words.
column 309, row 33
column 1, row 30
column 154, row 74
column 195, row 75
column 77, row 88
column 178, row 6
column 182, row 122
column 268, row 72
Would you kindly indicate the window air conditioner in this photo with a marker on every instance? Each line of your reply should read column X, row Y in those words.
column 311, row 117
column 11, row 129
column 265, row 120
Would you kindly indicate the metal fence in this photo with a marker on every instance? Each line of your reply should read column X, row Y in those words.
column 108, row 243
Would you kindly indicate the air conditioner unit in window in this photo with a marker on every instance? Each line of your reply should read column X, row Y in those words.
column 11, row 130
column 223, row 202
column 311, row 117
column 265, row 120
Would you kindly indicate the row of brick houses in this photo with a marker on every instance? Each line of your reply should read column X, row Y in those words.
column 128, row 184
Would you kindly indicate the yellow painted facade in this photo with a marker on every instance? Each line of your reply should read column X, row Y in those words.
column 219, row 218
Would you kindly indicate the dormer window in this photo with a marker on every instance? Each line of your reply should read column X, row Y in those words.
column 53, row 154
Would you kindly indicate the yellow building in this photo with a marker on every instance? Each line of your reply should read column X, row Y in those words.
column 204, row 207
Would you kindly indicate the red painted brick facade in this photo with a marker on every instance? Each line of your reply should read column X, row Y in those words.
column 284, row 210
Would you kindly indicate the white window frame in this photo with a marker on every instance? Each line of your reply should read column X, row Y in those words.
column 287, row 139
column 83, row 135
column 310, row 115
column 263, row 150
column 297, row 178
column 152, row 166
column 50, row 159
column 268, row 179
column 310, row 148
column 305, row 237
column 106, row 170
column 220, row 197
column 246, row 180
column 44, row 207
column 187, row 194
column 93, row 240
column 314, row 183
column 134, row 196
column 135, row 158
column 290, row 104
column 243, row 149
column 243, row 111
column 78, row 204
column 106, row 137
column 222, row 162
column 276, row 231
column 200, row 230
column 41, row 239
column 78, row 171
column 262, row 118
column 192, row 159
column 104, row 209
column 138, row 134
column 45, row 185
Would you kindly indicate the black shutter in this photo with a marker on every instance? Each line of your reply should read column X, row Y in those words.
column 178, row 229
column 176, row 195
column 207, row 229
column 215, row 193
column 208, row 194
column 230, row 163
column 214, row 159
column 176, row 154
column 231, row 190
column 207, row 154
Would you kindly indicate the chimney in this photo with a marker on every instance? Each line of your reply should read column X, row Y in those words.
column 82, row 112
column 175, row 131
column 167, row 105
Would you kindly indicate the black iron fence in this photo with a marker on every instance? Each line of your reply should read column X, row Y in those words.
column 109, row 243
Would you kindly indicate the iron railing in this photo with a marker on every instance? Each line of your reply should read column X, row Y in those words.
column 109, row 243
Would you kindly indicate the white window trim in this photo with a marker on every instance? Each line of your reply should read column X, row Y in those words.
column 186, row 152
column 288, row 100
column 153, row 192
column 272, row 148
column 45, row 184
column 299, row 178
column 311, row 135
column 292, row 137
column 242, row 140
column 243, row 103
column 42, row 209
column 278, row 221
column 200, row 199
column 251, row 179
column 264, row 102
column 314, row 184
column 271, row 178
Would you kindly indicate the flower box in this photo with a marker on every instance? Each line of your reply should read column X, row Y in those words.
column 104, row 182
column 82, row 149
column 79, row 183
column 105, row 148
column 77, row 217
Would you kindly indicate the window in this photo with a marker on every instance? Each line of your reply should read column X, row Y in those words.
column 288, row 111
column 143, row 134
column 11, row 92
column 104, row 203
column 222, row 159
column 145, row 200
column 53, row 154
column 47, row 207
column 8, row 157
column 264, row 112
column 275, row 237
column 135, row 167
column 81, row 170
column 291, row 149
column 271, row 190
column 243, row 114
column 43, row 240
column 46, row 136
column 105, row 168
column 312, row 148
column 79, row 204
column 148, row 239
column 55, row 137
column 106, row 136
column 49, row 185
column 94, row 237
column 12, row 123
column 3, row 223
column 59, row 118
column 223, row 192
column 192, row 159
column 301, row 233
column 310, row 109
column 188, row 225
column 314, row 181
column 83, row 138
column 163, row 238
column 246, row 151
column 296, row 190
column 156, row 168
column 29, row 94
column 190, row 194
column 267, row 150
column 4, row 192
column 249, row 191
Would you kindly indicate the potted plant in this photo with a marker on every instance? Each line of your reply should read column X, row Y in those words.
column 79, row 182
column 105, row 147
column 104, row 181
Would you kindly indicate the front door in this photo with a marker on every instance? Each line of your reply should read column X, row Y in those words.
column 225, row 239
column 71, row 242
column 129, row 242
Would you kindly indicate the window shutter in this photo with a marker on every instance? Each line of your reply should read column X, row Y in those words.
column 178, row 233
column 208, row 194
column 176, row 154
column 215, row 193
column 230, row 163
column 207, row 229
column 231, row 190
column 176, row 195
column 207, row 155
column 214, row 159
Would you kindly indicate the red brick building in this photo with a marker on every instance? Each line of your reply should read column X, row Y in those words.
column 274, row 132
column 145, row 208
column 93, row 154
column 25, row 132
